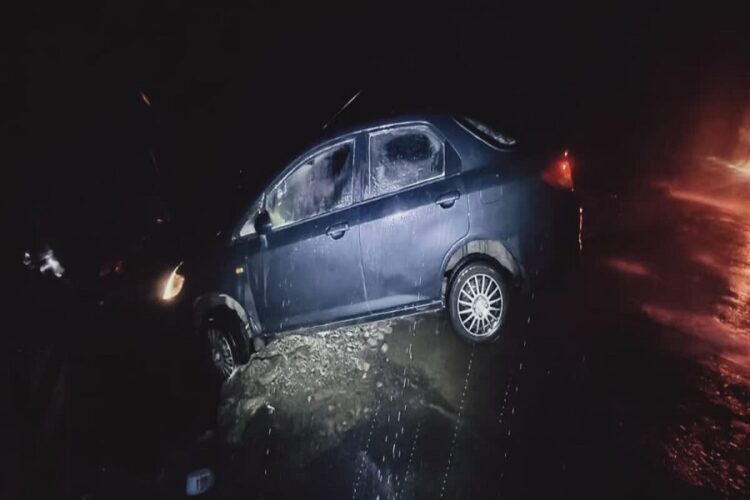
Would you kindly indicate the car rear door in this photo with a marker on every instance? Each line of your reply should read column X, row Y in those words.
column 414, row 212
column 311, row 255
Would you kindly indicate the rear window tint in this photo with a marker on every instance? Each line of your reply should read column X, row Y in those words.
column 488, row 134
column 403, row 157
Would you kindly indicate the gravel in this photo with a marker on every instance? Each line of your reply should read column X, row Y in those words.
column 317, row 387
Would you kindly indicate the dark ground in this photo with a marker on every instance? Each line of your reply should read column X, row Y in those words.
column 629, row 378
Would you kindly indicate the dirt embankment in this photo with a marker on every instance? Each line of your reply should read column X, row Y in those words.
column 318, row 387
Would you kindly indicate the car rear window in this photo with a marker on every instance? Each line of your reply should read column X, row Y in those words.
column 488, row 134
column 402, row 157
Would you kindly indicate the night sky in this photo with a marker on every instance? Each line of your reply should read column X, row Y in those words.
column 144, row 110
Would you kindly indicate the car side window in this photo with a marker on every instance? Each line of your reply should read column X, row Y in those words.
column 321, row 183
column 402, row 157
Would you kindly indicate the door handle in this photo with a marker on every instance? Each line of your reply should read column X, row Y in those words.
column 337, row 230
column 448, row 199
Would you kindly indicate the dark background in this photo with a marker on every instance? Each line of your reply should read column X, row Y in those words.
column 155, row 122
column 233, row 93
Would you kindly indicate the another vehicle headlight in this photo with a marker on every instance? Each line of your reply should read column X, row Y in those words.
column 173, row 286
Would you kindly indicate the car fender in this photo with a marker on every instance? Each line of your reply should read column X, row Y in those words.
column 208, row 301
column 495, row 249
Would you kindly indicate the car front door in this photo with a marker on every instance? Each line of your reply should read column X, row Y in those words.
column 415, row 210
column 311, row 255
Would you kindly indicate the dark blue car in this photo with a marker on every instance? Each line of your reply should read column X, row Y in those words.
column 413, row 214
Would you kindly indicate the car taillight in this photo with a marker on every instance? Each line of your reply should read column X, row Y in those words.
column 560, row 173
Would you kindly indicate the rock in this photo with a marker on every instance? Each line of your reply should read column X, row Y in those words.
column 272, row 365
column 384, row 348
column 361, row 364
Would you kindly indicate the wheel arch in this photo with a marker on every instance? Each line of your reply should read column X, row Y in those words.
column 492, row 251
column 213, row 302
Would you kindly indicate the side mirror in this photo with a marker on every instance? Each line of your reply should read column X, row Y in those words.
column 262, row 222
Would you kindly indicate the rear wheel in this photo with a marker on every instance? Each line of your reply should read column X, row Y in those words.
column 226, row 345
column 478, row 303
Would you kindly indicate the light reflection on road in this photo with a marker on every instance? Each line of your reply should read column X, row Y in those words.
column 738, row 311
column 730, row 257
column 705, row 449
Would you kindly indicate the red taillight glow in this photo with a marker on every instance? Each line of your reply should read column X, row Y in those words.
column 560, row 174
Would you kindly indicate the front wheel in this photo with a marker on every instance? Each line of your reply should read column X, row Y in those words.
column 478, row 303
column 226, row 345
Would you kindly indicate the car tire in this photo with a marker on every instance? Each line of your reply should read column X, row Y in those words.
column 226, row 347
column 478, row 302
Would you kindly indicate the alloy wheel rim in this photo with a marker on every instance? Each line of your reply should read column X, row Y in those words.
column 221, row 352
column 480, row 305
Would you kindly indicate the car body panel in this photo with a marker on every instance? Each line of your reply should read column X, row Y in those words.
column 404, row 239
column 302, row 271
column 310, row 277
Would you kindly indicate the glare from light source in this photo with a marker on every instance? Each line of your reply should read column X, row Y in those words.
column 560, row 174
column 174, row 283
column 50, row 265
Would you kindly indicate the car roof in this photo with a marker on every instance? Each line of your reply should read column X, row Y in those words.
column 338, row 134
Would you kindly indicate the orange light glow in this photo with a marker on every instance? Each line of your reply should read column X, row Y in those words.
column 628, row 266
column 559, row 175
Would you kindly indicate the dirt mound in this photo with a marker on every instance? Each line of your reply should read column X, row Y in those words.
column 317, row 387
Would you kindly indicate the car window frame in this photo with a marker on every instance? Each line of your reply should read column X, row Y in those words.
column 299, row 163
column 390, row 128
column 249, row 217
